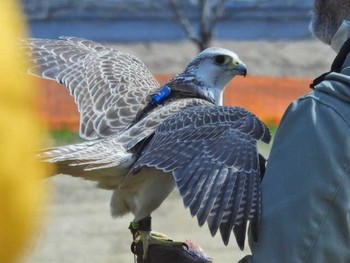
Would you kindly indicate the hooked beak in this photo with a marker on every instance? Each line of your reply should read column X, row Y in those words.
column 241, row 69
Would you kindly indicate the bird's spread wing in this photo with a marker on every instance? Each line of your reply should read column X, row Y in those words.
column 213, row 154
column 110, row 87
column 106, row 159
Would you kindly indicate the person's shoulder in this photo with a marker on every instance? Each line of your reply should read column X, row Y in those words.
column 323, row 104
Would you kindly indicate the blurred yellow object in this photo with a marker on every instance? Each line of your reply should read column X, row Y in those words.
column 21, row 193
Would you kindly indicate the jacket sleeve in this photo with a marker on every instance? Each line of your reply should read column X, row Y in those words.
column 306, row 188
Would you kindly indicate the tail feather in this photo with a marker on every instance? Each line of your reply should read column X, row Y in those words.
column 96, row 161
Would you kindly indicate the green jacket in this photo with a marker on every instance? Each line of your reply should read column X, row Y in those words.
column 306, row 188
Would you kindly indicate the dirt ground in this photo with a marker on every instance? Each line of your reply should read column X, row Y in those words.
column 78, row 228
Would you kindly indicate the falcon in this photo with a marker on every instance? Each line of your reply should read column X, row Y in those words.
column 143, row 138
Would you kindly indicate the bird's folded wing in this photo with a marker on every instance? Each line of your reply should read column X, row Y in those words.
column 110, row 87
column 213, row 154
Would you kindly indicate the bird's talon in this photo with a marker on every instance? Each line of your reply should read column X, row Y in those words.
column 184, row 245
column 160, row 236
column 133, row 247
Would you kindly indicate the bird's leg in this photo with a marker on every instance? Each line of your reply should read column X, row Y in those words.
column 141, row 231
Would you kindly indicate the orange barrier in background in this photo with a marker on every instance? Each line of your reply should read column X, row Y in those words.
column 267, row 97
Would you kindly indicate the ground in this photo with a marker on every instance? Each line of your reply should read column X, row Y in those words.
column 77, row 224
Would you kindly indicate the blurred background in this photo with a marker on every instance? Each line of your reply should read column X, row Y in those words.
column 158, row 20
column 270, row 36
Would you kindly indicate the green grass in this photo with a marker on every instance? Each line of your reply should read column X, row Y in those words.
column 264, row 148
column 64, row 137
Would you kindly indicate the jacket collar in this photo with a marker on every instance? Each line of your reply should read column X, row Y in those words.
column 341, row 36
column 341, row 43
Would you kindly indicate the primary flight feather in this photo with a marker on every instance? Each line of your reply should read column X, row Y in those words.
column 143, row 138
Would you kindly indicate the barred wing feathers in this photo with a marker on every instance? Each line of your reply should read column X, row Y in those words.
column 212, row 152
column 107, row 159
column 109, row 86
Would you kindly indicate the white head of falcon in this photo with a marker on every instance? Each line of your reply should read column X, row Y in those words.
column 146, row 138
column 210, row 72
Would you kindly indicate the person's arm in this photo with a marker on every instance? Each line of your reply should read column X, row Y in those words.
column 306, row 189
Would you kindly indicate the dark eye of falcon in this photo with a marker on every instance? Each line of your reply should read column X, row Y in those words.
column 220, row 59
